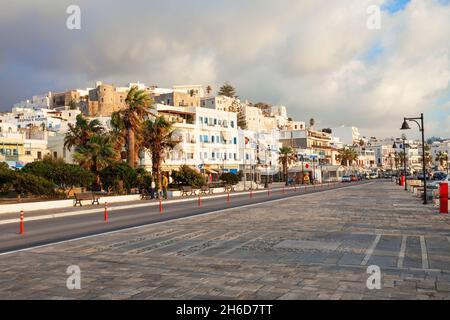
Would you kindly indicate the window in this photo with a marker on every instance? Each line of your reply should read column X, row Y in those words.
column 232, row 124
column 213, row 155
column 39, row 155
column 215, row 122
column 234, row 140
column 213, row 139
column 201, row 138
column 205, row 155
column 235, row 156
column 28, row 153
column 201, row 119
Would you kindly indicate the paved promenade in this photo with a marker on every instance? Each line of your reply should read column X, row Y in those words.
column 316, row 246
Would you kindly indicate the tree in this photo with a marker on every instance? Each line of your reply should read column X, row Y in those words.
column 26, row 183
column 327, row 130
column 231, row 178
column 208, row 89
column 80, row 133
column 117, row 177
column 158, row 139
column 312, row 122
column 6, row 177
column 65, row 176
column 138, row 105
column 442, row 158
column 227, row 90
column 428, row 156
column 346, row 156
column 188, row 177
column 95, row 155
column 287, row 157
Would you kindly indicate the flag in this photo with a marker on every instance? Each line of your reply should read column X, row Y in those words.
column 247, row 140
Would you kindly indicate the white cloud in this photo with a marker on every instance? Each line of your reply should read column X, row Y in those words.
column 313, row 56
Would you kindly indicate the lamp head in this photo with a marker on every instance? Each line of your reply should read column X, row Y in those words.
column 405, row 126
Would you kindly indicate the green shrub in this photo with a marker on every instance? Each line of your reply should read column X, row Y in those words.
column 65, row 176
column 26, row 183
column 118, row 177
column 230, row 178
column 188, row 177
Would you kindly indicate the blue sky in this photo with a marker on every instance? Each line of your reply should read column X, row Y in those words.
column 395, row 5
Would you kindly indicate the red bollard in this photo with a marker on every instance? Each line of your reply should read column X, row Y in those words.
column 228, row 198
column 199, row 199
column 443, row 191
column 161, row 209
column 22, row 229
column 402, row 181
column 251, row 194
column 105, row 216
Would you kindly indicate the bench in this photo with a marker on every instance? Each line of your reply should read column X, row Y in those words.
column 229, row 188
column 206, row 190
column 187, row 191
column 86, row 196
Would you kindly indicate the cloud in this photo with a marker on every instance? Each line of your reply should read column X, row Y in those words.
column 316, row 57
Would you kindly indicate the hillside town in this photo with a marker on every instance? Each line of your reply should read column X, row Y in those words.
column 216, row 134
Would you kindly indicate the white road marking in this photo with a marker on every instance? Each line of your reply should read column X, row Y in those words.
column 371, row 250
column 178, row 219
column 423, row 246
column 401, row 255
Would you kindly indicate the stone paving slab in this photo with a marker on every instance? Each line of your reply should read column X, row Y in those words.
column 316, row 246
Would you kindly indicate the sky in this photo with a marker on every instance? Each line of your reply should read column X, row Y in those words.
column 316, row 57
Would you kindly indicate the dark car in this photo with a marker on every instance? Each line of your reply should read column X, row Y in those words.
column 438, row 176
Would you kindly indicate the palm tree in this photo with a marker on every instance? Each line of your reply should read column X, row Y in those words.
column 287, row 157
column 96, row 154
column 158, row 139
column 80, row 133
column 442, row 157
column 396, row 160
column 346, row 156
column 138, row 105
column 312, row 122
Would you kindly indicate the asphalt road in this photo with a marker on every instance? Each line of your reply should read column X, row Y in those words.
column 43, row 232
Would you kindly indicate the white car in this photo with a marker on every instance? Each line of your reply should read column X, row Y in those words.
column 435, row 184
column 346, row 179
column 373, row 175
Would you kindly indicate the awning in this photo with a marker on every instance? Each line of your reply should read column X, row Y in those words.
column 226, row 135
column 211, row 171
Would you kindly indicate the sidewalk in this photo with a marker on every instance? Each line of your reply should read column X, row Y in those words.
column 279, row 250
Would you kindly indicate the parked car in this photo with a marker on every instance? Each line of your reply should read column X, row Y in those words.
column 346, row 179
column 439, row 175
column 435, row 184
column 373, row 175
column 354, row 178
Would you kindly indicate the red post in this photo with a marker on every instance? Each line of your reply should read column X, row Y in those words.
column 251, row 194
column 228, row 198
column 443, row 190
column 199, row 199
column 402, row 181
column 105, row 216
column 22, row 229
column 161, row 209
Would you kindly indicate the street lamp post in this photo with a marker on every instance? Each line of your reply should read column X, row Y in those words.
column 405, row 126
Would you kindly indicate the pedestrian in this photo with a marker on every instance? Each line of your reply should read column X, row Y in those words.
column 165, row 185
column 152, row 189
